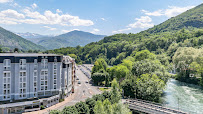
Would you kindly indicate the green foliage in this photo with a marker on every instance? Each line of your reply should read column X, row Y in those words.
column 146, row 66
column 69, row 110
column 82, row 108
column 99, row 108
column 144, row 54
column 91, row 103
column 98, row 78
column 119, row 72
column 116, row 94
column 188, row 61
column 128, row 85
column 56, row 112
column 107, row 107
column 149, row 87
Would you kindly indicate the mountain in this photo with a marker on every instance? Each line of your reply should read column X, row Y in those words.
column 11, row 40
column 32, row 35
column 184, row 30
column 190, row 18
column 29, row 35
column 70, row 39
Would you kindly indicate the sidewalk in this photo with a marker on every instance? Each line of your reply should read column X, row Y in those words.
column 54, row 107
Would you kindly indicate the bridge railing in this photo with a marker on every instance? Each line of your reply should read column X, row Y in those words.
column 158, row 105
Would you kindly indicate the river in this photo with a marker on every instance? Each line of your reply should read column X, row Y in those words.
column 187, row 97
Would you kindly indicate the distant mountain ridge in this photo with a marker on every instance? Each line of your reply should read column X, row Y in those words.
column 70, row 39
column 11, row 40
column 32, row 35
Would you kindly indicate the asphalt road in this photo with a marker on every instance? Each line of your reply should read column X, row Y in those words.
column 83, row 90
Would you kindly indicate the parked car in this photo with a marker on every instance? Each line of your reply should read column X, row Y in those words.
column 79, row 82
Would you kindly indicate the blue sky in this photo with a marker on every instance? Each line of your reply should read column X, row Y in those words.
column 105, row 17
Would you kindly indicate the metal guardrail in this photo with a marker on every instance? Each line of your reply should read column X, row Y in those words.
column 150, row 107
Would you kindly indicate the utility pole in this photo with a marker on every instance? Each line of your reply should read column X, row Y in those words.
column 178, row 103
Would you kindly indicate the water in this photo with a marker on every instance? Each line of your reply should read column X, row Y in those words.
column 187, row 97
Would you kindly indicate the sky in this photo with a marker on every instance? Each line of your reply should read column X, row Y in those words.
column 105, row 17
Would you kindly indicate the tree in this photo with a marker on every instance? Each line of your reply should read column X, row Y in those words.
column 149, row 87
column 98, row 77
column 144, row 54
column 119, row 72
column 70, row 110
column 120, row 108
column 56, row 112
column 16, row 50
column 99, row 108
column 99, row 64
column 82, row 108
column 116, row 94
column 146, row 66
column 128, row 85
column 91, row 103
column 107, row 107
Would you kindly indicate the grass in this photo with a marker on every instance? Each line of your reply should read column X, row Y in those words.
column 105, row 88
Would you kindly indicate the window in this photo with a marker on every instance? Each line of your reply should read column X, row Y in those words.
column 45, row 87
column 24, row 84
column 45, row 82
column 35, row 78
column 35, row 64
column 35, row 83
column 54, row 81
column 44, row 63
column 54, row 71
column 54, row 66
column 7, row 64
column 22, row 64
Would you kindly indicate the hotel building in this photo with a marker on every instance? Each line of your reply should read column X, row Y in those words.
column 30, row 76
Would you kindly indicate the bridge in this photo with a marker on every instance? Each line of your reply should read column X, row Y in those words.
column 150, row 108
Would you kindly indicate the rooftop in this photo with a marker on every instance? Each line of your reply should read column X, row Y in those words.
column 26, row 54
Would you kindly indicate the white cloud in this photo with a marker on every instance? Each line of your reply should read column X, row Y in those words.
column 103, row 19
column 34, row 6
column 11, row 14
column 58, row 11
column 170, row 12
column 95, row 31
column 5, row 1
column 155, row 13
column 48, row 18
column 120, row 31
column 142, row 22
column 52, row 18
column 174, row 11
column 50, row 28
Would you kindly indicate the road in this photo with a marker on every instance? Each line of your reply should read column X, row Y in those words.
column 82, row 92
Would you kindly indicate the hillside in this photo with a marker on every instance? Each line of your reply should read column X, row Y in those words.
column 11, row 40
column 164, row 38
column 190, row 18
column 70, row 39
